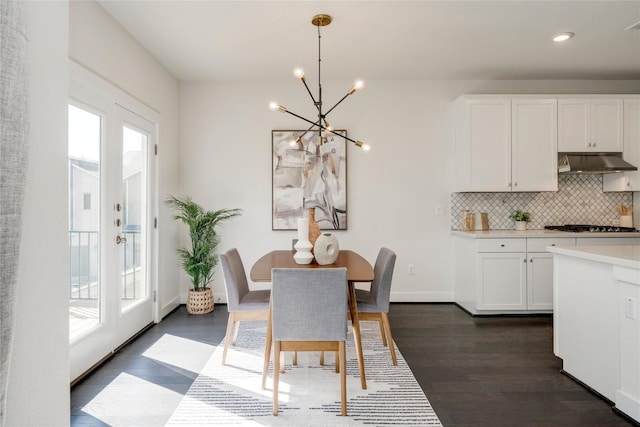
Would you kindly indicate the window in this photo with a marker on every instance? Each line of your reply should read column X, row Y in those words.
column 86, row 201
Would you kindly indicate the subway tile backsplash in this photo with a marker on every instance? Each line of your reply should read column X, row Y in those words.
column 579, row 200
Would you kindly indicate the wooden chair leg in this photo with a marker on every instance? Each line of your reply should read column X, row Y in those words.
column 227, row 337
column 295, row 358
column 382, row 333
column 322, row 358
column 267, row 355
column 336, row 358
column 276, row 375
column 343, row 376
column 387, row 327
column 235, row 333
column 281, row 361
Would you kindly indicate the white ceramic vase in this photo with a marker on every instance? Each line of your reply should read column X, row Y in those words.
column 521, row 225
column 326, row 249
column 303, row 246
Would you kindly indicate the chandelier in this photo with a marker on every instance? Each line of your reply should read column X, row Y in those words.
column 321, row 124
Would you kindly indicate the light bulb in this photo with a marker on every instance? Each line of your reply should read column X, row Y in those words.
column 362, row 145
column 275, row 106
column 563, row 37
column 298, row 72
column 357, row 85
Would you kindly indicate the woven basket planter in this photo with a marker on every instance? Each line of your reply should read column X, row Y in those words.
column 200, row 302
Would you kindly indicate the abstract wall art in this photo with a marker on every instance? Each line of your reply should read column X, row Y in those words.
column 307, row 174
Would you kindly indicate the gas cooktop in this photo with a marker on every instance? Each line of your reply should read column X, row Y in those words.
column 582, row 228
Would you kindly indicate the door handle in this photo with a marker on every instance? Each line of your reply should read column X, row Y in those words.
column 120, row 239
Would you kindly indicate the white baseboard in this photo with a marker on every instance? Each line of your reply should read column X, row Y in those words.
column 628, row 405
column 169, row 307
column 421, row 297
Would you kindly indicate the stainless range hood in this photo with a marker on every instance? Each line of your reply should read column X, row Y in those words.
column 592, row 163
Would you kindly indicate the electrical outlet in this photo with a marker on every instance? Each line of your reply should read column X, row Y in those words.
column 630, row 308
column 412, row 270
column 440, row 210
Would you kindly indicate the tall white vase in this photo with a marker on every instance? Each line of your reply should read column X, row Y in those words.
column 303, row 246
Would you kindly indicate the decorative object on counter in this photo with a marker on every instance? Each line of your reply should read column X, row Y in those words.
column 200, row 261
column 468, row 221
column 626, row 215
column 314, row 228
column 482, row 221
column 521, row 219
column 326, row 249
column 303, row 246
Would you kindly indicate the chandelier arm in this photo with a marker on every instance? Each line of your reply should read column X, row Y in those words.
column 314, row 124
column 306, row 132
column 310, row 93
column 338, row 103
column 358, row 143
column 302, row 118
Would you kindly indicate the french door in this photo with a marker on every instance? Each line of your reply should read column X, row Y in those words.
column 111, row 201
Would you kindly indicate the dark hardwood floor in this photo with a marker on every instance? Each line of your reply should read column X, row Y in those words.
column 475, row 371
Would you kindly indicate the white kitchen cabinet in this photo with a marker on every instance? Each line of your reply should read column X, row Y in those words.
column 483, row 144
column 534, row 159
column 506, row 144
column 540, row 281
column 590, row 124
column 628, row 181
column 511, row 275
column 502, row 281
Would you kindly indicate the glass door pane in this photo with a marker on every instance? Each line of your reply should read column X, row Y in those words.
column 85, row 134
column 134, row 217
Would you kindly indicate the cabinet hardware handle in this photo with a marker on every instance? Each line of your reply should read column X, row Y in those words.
column 120, row 240
column 553, row 244
column 531, row 260
column 515, row 184
column 594, row 144
column 502, row 245
column 524, row 260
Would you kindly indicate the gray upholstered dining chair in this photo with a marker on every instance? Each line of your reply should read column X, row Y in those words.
column 242, row 303
column 373, row 305
column 309, row 313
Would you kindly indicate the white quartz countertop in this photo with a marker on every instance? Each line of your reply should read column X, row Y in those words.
column 494, row 234
column 620, row 255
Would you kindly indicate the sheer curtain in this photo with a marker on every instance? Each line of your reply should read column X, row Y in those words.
column 14, row 126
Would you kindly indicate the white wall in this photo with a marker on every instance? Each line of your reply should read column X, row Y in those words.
column 38, row 393
column 392, row 190
column 100, row 44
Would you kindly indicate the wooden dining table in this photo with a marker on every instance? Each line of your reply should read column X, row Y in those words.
column 358, row 270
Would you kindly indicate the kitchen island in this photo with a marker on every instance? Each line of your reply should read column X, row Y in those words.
column 596, row 332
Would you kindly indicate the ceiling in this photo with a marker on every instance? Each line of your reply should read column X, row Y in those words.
column 387, row 40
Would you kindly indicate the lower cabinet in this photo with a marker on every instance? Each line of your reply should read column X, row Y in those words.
column 510, row 275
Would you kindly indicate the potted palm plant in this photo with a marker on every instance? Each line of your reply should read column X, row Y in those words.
column 199, row 261
column 521, row 219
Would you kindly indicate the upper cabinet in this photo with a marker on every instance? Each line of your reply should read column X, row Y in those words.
column 628, row 181
column 534, row 158
column 506, row 144
column 592, row 124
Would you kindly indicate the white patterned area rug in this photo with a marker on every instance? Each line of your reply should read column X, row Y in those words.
column 309, row 393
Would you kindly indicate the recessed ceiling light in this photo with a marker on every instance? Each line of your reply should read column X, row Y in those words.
column 563, row 37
